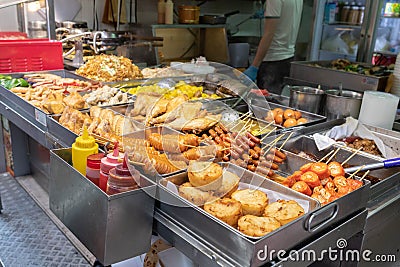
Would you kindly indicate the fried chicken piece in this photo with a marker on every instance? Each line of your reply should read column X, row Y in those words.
column 74, row 100
column 172, row 105
column 143, row 105
column 199, row 125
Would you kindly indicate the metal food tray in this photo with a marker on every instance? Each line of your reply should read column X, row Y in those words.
column 29, row 111
column 243, row 249
column 67, row 137
column 261, row 112
column 114, row 228
column 142, row 134
column 388, row 178
column 389, row 138
column 324, row 75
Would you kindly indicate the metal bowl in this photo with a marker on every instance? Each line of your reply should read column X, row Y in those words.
column 341, row 105
column 306, row 98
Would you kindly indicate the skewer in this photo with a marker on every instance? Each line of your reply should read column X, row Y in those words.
column 365, row 175
column 351, row 156
column 265, row 136
column 327, row 155
column 272, row 143
column 189, row 146
column 136, row 163
column 333, row 155
column 354, row 173
column 244, row 127
column 287, row 139
column 263, row 128
column 249, row 127
column 240, row 118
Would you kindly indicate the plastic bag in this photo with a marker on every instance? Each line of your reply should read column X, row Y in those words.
column 335, row 44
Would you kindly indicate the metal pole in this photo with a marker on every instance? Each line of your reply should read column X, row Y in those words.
column 51, row 25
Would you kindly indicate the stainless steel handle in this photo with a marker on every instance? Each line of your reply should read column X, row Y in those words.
column 333, row 207
column 96, row 51
column 197, row 244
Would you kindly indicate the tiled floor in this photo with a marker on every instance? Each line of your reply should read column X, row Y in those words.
column 27, row 236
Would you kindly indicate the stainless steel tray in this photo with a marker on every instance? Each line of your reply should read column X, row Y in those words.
column 385, row 178
column 243, row 249
column 29, row 111
column 114, row 228
column 143, row 134
column 261, row 112
column 307, row 71
column 68, row 137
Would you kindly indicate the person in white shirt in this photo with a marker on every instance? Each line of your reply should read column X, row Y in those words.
column 277, row 46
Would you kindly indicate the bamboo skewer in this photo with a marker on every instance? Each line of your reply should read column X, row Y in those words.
column 244, row 127
column 351, row 156
column 333, row 155
column 354, row 173
column 263, row 128
column 364, row 175
column 136, row 163
column 327, row 155
column 245, row 115
column 265, row 136
column 272, row 143
column 287, row 139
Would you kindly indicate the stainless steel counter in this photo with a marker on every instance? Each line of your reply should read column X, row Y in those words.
column 375, row 231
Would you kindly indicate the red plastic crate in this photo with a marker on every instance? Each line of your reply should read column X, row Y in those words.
column 30, row 55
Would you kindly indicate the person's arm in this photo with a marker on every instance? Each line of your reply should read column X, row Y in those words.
column 270, row 26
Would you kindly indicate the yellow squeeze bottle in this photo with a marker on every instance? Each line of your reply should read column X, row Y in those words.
column 83, row 147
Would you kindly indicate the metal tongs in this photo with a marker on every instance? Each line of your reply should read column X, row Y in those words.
column 388, row 163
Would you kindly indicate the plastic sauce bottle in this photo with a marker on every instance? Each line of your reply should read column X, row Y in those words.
column 169, row 12
column 161, row 12
column 345, row 12
column 107, row 163
column 353, row 15
column 122, row 179
column 361, row 14
column 93, row 167
column 84, row 146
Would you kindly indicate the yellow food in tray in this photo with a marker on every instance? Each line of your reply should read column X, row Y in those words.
column 193, row 92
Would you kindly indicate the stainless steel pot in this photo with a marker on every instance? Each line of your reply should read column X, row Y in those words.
column 306, row 98
column 37, row 29
column 343, row 105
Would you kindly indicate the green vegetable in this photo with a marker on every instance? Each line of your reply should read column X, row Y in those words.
column 13, row 82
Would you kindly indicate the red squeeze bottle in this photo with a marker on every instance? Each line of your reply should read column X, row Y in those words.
column 107, row 163
column 93, row 167
column 122, row 179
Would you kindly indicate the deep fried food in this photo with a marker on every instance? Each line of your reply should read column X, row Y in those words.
column 225, row 209
column 205, row 175
column 257, row 226
column 253, row 201
column 284, row 211
column 336, row 169
column 194, row 195
column 311, row 179
column 302, row 187
column 230, row 183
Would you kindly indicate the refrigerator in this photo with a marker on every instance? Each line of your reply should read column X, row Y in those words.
column 373, row 39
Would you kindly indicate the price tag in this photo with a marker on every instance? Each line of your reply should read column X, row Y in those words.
column 40, row 117
column 370, row 81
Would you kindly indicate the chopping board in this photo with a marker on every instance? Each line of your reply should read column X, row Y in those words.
column 66, row 10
